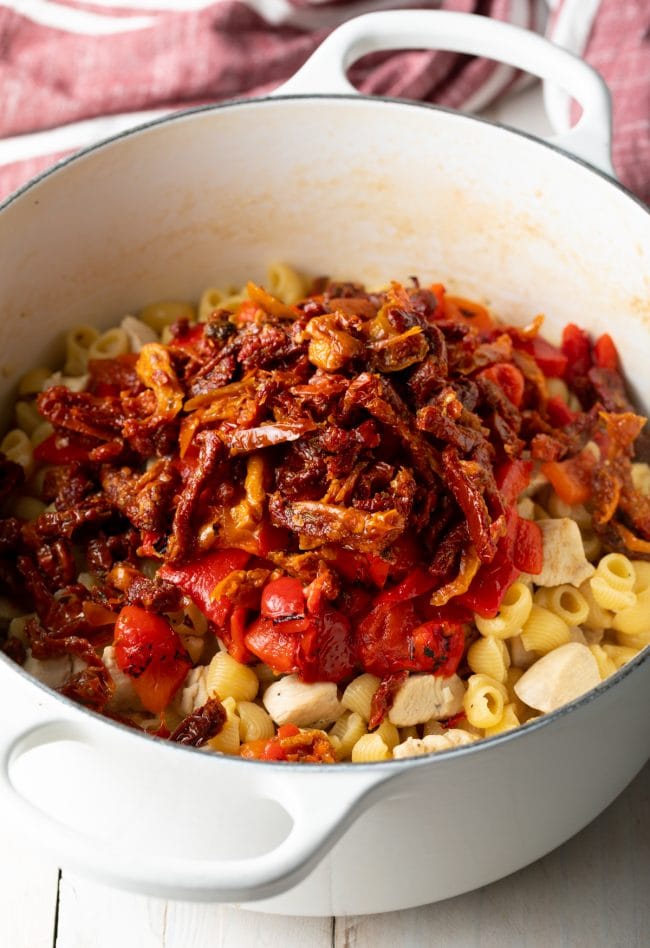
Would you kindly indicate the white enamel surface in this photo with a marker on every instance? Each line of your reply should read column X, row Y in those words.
column 367, row 190
column 590, row 139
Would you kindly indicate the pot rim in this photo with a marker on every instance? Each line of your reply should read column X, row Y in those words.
column 272, row 98
column 389, row 767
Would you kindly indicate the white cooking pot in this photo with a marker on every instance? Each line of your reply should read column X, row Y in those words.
column 360, row 188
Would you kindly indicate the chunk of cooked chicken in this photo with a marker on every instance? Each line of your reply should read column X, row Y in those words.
column 124, row 697
column 564, row 554
column 290, row 700
column 54, row 672
column 423, row 697
column 558, row 677
column 417, row 747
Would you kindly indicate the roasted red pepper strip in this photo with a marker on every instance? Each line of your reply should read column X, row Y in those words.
column 63, row 449
column 283, row 598
column 151, row 653
column 605, row 354
column 492, row 581
column 512, row 478
column 418, row 582
column 322, row 650
column 392, row 638
column 508, row 378
column 559, row 413
column 528, row 551
column 576, row 347
column 551, row 360
column 572, row 479
column 198, row 578
column 326, row 651
column 277, row 649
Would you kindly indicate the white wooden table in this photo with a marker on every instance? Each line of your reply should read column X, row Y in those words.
column 593, row 892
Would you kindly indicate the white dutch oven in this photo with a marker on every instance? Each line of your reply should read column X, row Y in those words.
column 361, row 188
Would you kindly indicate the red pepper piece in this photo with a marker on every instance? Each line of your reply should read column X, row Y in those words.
column 438, row 647
column 362, row 567
column 512, row 478
column 326, row 651
column 572, row 479
column 559, row 413
column 577, row 349
column 63, row 449
column 323, row 649
column 492, row 581
column 418, row 582
column 150, row 652
column 551, row 360
column 529, row 550
column 198, row 578
column 279, row 650
column 189, row 337
column 392, row 638
column 283, row 598
column 288, row 730
column 236, row 641
column 605, row 353
column 508, row 378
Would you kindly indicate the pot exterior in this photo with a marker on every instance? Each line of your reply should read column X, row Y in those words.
column 358, row 189
column 463, row 822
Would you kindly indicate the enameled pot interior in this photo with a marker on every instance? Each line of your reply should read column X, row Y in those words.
column 356, row 188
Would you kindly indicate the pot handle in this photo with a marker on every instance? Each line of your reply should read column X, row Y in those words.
column 322, row 802
column 325, row 71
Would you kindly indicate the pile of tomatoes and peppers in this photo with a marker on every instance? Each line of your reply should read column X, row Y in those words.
column 333, row 484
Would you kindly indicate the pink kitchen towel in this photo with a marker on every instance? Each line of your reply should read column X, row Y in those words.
column 75, row 71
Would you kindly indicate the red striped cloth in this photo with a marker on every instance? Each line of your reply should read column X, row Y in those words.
column 78, row 61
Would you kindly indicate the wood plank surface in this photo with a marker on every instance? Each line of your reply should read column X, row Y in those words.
column 28, row 891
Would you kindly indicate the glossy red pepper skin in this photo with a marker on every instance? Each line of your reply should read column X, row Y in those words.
column 492, row 581
column 605, row 353
column 62, row 449
column 322, row 650
column 365, row 568
column 559, row 413
column 528, row 553
column 151, row 653
column 551, row 360
column 418, row 582
column 326, row 651
column 512, row 478
column 576, row 347
column 508, row 378
column 283, row 598
column 277, row 649
column 393, row 638
column 198, row 579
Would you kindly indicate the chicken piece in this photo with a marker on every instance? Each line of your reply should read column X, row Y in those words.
column 558, row 677
column 564, row 555
column 417, row 747
column 290, row 700
column 54, row 672
column 138, row 333
column 194, row 693
column 124, row 697
column 423, row 697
